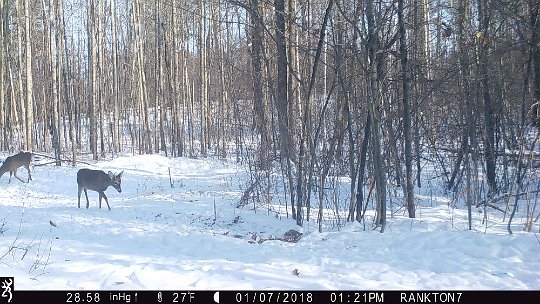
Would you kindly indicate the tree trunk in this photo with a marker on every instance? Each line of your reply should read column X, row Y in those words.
column 282, row 101
column 55, row 83
column 258, row 102
column 29, row 80
column 20, row 109
column 362, row 169
column 3, row 43
column 534, row 59
column 145, row 141
column 115, row 85
column 484, row 43
column 405, row 74
column 282, row 96
column 374, row 108
column 66, row 73
column 92, row 77
column 203, row 76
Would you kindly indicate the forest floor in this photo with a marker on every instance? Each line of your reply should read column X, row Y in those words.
column 181, row 229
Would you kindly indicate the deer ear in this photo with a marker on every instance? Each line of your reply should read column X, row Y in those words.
column 120, row 174
column 111, row 175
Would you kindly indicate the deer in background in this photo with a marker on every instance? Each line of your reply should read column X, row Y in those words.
column 14, row 162
column 99, row 181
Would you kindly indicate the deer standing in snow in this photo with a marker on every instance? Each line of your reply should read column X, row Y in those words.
column 99, row 181
column 14, row 162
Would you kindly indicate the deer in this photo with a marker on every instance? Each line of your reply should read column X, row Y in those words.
column 14, row 162
column 99, row 181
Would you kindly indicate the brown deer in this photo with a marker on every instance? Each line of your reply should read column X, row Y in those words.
column 99, row 181
column 12, row 163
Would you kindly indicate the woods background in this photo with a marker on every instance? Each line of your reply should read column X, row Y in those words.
column 376, row 91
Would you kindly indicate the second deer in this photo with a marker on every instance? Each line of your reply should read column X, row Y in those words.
column 14, row 162
column 99, row 181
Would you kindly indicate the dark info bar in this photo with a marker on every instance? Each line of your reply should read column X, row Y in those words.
column 267, row 296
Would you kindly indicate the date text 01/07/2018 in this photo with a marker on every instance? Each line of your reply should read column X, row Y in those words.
column 271, row 297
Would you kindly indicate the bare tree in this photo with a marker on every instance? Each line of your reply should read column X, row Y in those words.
column 115, row 81
column 374, row 96
column 483, row 44
column 28, row 144
column 407, row 109
column 55, row 64
column 3, row 127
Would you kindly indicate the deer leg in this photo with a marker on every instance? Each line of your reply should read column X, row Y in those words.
column 15, row 174
column 107, row 201
column 80, row 190
column 100, row 196
column 87, row 201
column 29, row 175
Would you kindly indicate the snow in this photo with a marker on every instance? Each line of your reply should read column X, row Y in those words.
column 191, row 236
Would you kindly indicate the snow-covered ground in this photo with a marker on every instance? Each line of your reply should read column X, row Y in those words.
column 191, row 236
